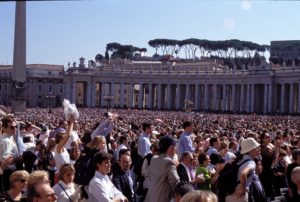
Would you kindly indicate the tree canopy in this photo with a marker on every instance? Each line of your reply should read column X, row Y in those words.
column 123, row 51
column 197, row 48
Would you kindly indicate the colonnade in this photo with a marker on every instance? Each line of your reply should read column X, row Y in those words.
column 247, row 97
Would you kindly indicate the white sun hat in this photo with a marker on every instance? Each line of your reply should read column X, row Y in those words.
column 154, row 132
column 248, row 145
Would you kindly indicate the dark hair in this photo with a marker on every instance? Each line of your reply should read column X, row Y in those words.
column 99, row 157
column 164, row 143
column 263, row 136
column 216, row 158
column 122, row 152
column 6, row 120
column 72, row 153
column 186, row 124
column 154, row 147
column 61, row 122
column 122, row 139
column 182, row 188
column 202, row 158
column 232, row 143
column 295, row 154
column 212, row 140
column 184, row 155
column 26, row 139
column 146, row 125
column 58, row 137
column 257, row 159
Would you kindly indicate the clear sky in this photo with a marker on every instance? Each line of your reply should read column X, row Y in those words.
column 59, row 32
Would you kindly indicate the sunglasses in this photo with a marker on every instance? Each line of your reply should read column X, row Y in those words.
column 13, row 127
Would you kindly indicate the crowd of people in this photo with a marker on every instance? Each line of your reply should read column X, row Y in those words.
column 141, row 155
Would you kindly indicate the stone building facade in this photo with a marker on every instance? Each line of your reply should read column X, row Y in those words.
column 200, row 86
column 44, row 85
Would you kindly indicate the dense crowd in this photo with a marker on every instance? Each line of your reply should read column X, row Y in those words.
column 141, row 155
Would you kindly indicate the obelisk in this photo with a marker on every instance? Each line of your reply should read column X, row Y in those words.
column 19, row 61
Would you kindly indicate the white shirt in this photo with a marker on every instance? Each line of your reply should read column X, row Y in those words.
column 211, row 151
column 61, row 158
column 44, row 137
column 8, row 148
column 61, row 194
column 229, row 156
column 102, row 189
column 73, row 138
column 251, row 164
column 28, row 134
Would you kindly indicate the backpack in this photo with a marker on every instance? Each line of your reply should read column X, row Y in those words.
column 84, row 169
column 228, row 179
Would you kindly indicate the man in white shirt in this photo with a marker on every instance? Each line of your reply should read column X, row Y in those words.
column 8, row 148
column 101, row 188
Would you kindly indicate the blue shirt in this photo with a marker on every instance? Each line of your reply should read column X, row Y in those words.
column 144, row 145
column 185, row 143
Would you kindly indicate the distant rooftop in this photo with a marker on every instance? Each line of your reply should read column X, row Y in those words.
column 36, row 66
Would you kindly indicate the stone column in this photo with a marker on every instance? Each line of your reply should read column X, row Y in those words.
column 233, row 102
column 169, row 96
column 252, row 97
column 178, row 97
column 159, row 99
column 265, row 98
column 206, row 96
column 242, row 98
column 140, row 99
column 74, row 91
column 68, row 88
column 102, row 94
column 215, row 97
column 163, row 96
column 298, row 98
column 248, row 104
column 121, row 95
column 224, row 98
column 113, row 93
column 270, row 98
column 88, row 93
column 282, row 101
column 196, row 106
column 149, row 97
column 291, row 104
column 130, row 95
column 93, row 90
column 188, row 92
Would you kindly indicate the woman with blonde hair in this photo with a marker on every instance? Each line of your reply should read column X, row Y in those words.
column 99, row 143
column 199, row 196
column 65, row 188
column 37, row 177
column 18, row 183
